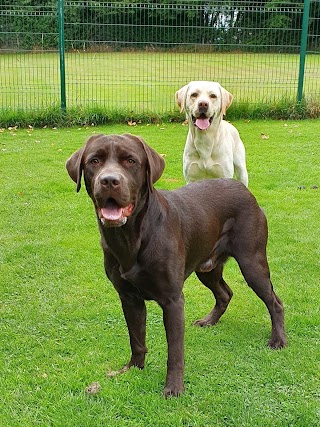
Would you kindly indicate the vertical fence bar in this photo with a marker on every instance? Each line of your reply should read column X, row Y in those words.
column 61, row 55
column 303, row 48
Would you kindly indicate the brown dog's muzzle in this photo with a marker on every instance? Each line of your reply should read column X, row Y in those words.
column 112, row 197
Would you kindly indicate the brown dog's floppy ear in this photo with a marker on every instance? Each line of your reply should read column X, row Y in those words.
column 74, row 163
column 74, row 167
column 180, row 97
column 155, row 165
column 155, row 162
column 226, row 100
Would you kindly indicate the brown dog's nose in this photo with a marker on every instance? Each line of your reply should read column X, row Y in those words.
column 110, row 180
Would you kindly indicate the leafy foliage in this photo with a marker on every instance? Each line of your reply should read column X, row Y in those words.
column 163, row 24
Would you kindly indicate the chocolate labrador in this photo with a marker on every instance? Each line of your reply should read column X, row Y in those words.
column 153, row 240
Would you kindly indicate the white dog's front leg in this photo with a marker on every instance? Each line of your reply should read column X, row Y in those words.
column 241, row 173
column 193, row 172
column 239, row 161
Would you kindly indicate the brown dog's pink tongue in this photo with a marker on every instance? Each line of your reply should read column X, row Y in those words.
column 111, row 213
column 114, row 212
column 202, row 124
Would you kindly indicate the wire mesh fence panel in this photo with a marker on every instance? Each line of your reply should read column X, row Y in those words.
column 29, row 70
column 134, row 56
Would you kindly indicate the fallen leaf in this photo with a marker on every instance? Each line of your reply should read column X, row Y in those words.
column 264, row 136
column 93, row 388
column 111, row 374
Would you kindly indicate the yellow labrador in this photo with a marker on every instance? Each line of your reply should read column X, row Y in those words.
column 213, row 148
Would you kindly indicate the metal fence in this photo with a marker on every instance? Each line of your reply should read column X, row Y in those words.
column 134, row 56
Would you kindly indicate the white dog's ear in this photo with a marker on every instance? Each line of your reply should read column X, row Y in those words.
column 181, row 97
column 226, row 100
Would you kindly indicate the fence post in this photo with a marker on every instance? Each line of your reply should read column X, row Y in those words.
column 303, row 47
column 61, row 55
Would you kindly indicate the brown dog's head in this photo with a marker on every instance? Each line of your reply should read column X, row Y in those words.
column 203, row 101
column 118, row 170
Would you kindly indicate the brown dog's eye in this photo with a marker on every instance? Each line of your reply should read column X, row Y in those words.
column 131, row 161
column 94, row 161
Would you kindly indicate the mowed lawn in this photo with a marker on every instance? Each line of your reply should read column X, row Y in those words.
column 61, row 324
column 147, row 81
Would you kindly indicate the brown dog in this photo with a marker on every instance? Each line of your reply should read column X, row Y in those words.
column 153, row 240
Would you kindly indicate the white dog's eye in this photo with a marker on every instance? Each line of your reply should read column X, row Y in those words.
column 194, row 95
column 213, row 96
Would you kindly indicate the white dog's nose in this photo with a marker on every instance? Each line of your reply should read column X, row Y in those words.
column 203, row 104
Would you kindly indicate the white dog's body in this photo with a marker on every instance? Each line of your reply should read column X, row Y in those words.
column 213, row 148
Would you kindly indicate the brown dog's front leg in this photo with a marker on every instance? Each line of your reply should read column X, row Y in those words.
column 135, row 313
column 173, row 318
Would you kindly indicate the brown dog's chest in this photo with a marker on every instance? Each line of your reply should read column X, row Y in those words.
column 144, row 281
column 149, row 272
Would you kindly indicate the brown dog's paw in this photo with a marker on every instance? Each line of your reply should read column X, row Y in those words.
column 174, row 391
column 174, row 384
column 277, row 343
column 208, row 320
column 202, row 323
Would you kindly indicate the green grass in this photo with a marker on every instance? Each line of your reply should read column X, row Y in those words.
column 61, row 322
column 137, row 83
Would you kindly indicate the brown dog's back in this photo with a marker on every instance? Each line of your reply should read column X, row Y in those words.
column 217, row 219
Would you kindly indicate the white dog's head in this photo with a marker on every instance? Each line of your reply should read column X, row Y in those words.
column 203, row 101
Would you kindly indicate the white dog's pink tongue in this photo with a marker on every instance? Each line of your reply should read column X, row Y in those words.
column 202, row 124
